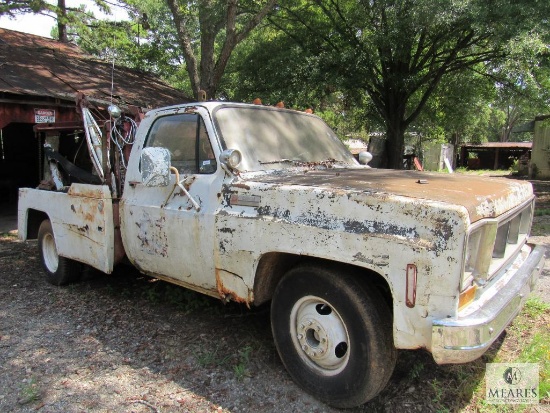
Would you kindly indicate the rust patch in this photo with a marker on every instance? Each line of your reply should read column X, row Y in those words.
column 481, row 196
column 87, row 191
column 245, row 200
column 242, row 186
column 154, row 239
column 119, row 252
column 376, row 260
column 226, row 294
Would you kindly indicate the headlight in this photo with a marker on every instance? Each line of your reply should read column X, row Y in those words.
column 231, row 158
column 478, row 255
column 492, row 243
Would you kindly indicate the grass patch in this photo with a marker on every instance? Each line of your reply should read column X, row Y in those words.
column 241, row 368
column 29, row 392
column 211, row 358
column 541, row 227
column 527, row 341
column 484, row 172
column 11, row 235
column 539, row 212
column 538, row 351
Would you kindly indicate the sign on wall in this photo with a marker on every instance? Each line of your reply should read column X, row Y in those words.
column 44, row 115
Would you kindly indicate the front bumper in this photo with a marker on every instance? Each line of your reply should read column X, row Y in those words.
column 460, row 340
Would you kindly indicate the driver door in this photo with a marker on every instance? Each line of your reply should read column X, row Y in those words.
column 164, row 232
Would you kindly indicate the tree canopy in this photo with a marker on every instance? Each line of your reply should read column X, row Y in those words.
column 452, row 69
column 400, row 51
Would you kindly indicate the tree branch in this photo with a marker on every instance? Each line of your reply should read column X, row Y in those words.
column 185, row 43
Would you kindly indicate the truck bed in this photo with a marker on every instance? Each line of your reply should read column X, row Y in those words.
column 82, row 221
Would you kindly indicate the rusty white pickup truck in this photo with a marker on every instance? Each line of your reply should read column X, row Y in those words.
column 258, row 204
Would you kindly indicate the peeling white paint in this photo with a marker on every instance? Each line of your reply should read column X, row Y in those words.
column 82, row 221
column 380, row 221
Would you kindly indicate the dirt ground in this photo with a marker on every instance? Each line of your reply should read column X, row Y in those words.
column 126, row 343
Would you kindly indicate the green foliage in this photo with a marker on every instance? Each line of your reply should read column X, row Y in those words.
column 542, row 212
column 401, row 54
column 270, row 65
column 535, row 347
column 29, row 392
column 447, row 70
column 535, row 307
column 438, row 391
column 188, row 44
column 14, row 7
column 241, row 368
column 209, row 358
column 153, row 294
column 146, row 41
column 537, row 351
column 190, row 301
column 240, row 371
column 416, row 370
column 458, row 110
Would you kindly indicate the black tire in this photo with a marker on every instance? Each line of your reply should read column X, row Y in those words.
column 333, row 336
column 59, row 270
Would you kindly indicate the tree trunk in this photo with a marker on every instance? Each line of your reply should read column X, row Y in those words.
column 61, row 21
column 395, row 134
column 395, row 144
column 207, row 74
column 186, row 46
column 207, row 63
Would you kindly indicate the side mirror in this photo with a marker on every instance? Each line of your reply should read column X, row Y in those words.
column 155, row 167
column 365, row 157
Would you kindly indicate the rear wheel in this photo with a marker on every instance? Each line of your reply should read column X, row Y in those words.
column 59, row 270
column 333, row 336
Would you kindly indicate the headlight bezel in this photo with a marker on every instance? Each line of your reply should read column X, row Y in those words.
column 492, row 243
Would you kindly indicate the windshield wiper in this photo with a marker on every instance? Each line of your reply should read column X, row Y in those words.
column 294, row 161
column 327, row 162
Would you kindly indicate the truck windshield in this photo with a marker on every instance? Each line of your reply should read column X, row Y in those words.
column 269, row 138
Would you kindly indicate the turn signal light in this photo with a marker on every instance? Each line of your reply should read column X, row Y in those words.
column 467, row 296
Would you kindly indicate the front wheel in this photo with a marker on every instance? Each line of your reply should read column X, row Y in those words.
column 59, row 270
column 333, row 336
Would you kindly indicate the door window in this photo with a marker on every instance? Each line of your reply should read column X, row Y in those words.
column 184, row 135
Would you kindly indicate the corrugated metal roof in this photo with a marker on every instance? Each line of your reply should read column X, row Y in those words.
column 37, row 66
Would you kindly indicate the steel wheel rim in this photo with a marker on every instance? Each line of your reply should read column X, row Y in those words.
column 51, row 259
column 319, row 335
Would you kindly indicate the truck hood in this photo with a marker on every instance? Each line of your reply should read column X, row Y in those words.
column 483, row 197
